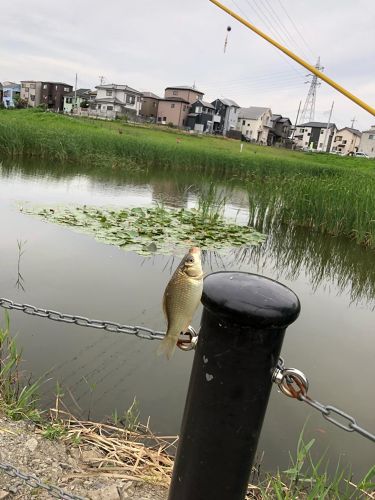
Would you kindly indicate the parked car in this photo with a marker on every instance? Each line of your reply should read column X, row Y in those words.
column 359, row 154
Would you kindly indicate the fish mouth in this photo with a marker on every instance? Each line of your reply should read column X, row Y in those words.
column 195, row 250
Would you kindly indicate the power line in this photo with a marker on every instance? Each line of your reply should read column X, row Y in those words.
column 296, row 28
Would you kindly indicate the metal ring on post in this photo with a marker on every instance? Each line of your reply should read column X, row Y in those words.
column 190, row 343
column 298, row 378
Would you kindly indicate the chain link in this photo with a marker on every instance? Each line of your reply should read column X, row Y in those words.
column 293, row 383
column 34, row 482
column 109, row 326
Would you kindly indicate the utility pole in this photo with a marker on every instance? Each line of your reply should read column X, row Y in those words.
column 75, row 92
column 308, row 111
column 295, row 124
column 328, row 124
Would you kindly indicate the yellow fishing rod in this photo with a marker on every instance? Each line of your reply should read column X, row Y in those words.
column 289, row 53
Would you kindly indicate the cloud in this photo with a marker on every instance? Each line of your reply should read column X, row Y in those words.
column 150, row 45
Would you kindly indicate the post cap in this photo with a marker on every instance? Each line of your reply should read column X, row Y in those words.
column 250, row 299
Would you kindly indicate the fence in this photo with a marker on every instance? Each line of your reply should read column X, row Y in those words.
column 237, row 360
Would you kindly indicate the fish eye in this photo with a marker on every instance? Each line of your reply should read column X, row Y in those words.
column 190, row 259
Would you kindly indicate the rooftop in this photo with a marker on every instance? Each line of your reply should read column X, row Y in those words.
column 115, row 86
column 252, row 113
column 151, row 94
column 175, row 99
column 229, row 102
column 184, row 87
column 317, row 125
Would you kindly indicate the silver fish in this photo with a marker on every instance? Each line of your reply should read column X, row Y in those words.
column 181, row 299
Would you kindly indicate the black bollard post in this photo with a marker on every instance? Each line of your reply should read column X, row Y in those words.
column 242, row 330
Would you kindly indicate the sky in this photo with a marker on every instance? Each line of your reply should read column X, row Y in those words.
column 152, row 44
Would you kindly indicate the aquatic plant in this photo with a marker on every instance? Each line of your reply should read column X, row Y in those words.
column 152, row 230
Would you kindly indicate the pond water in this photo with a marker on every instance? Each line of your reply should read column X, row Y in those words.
column 332, row 341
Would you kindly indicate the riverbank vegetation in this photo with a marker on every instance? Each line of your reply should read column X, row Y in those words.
column 326, row 193
column 124, row 448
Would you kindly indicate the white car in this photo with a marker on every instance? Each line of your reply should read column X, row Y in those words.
column 360, row 155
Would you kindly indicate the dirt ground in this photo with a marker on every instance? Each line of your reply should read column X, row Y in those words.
column 54, row 464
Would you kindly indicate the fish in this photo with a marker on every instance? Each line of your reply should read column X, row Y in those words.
column 181, row 299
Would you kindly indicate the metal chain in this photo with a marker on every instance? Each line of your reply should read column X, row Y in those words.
column 294, row 384
column 34, row 482
column 187, row 341
column 110, row 326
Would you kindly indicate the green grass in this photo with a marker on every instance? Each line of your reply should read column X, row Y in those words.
column 17, row 398
column 327, row 193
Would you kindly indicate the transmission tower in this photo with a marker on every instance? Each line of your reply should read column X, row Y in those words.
column 308, row 110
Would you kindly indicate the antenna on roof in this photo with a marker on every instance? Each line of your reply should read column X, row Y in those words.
column 353, row 120
column 102, row 79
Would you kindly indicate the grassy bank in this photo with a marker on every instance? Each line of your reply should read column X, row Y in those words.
column 331, row 194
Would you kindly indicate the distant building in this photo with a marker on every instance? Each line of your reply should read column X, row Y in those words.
column 11, row 92
column 114, row 100
column 201, row 116
column 174, row 107
column 149, row 106
column 75, row 100
column 367, row 144
column 1, row 93
column 346, row 141
column 255, row 123
column 315, row 135
column 226, row 116
column 280, row 130
column 50, row 94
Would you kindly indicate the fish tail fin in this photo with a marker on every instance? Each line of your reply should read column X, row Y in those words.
column 167, row 346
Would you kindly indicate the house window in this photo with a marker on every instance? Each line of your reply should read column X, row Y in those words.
column 321, row 145
column 344, row 142
column 108, row 93
column 302, row 130
column 198, row 109
column 32, row 97
column 99, row 107
column 175, row 92
column 371, row 136
column 66, row 89
column 164, row 118
column 309, row 133
column 56, row 87
column 322, row 131
column 172, row 105
column 45, row 86
column 154, row 104
column 109, row 108
column 159, row 118
column 130, row 99
column 184, row 107
column 243, row 122
column 32, row 85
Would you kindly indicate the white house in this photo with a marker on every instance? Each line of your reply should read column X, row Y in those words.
column 367, row 144
column 315, row 135
column 255, row 123
column 346, row 141
column 117, row 100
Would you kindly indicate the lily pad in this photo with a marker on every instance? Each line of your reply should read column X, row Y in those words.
column 152, row 230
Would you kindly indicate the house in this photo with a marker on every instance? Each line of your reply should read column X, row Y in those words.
column 114, row 100
column 367, row 144
column 201, row 116
column 149, row 106
column 346, row 141
column 280, row 130
column 11, row 93
column 226, row 112
column 315, row 135
column 49, row 94
column 81, row 98
column 31, row 92
column 174, row 107
column 255, row 123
